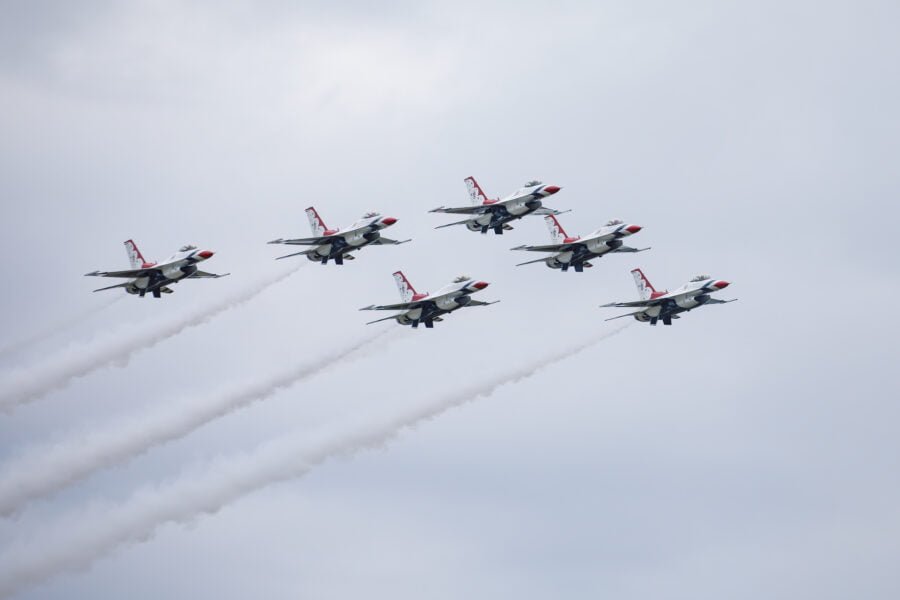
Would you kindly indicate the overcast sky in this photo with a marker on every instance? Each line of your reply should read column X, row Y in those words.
column 748, row 451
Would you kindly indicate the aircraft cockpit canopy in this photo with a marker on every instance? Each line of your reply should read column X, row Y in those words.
column 461, row 278
column 187, row 248
column 371, row 214
column 533, row 183
column 612, row 222
column 699, row 278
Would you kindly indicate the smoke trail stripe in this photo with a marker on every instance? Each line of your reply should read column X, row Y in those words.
column 191, row 496
column 50, row 468
column 30, row 383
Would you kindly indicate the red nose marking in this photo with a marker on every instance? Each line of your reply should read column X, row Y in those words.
column 205, row 254
column 480, row 285
column 721, row 284
column 551, row 189
column 389, row 220
column 633, row 228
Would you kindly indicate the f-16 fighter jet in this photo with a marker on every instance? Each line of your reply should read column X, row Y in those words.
column 666, row 305
column 428, row 308
column 576, row 251
column 337, row 244
column 156, row 277
column 496, row 214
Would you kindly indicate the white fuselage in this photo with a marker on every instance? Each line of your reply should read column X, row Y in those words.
column 604, row 240
column 447, row 299
column 176, row 267
column 361, row 233
column 518, row 204
column 685, row 298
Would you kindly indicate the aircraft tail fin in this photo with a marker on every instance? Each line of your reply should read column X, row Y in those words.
column 645, row 288
column 316, row 224
column 134, row 255
column 476, row 194
column 407, row 291
column 557, row 233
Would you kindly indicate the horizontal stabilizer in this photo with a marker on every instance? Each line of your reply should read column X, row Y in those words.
column 383, row 241
column 380, row 320
column 531, row 262
column 118, row 285
column 205, row 275
column 631, row 314
column 480, row 303
column 544, row 211
column 452, row 224
column 301, row 253
column 628, row 249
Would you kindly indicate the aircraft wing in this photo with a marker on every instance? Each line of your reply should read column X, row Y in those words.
column 548, row 248
column 205, row 275
column 464, row 210
column 131, row 274
column 401, row 306
column 313, row 241
column 635, row 304
column 383, row 241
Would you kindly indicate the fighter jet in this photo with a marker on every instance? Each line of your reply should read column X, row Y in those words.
column 428, row 308
column 666, row 305
column 337, row 244
column 577, row 251
column 156, row 277
column 496, row 214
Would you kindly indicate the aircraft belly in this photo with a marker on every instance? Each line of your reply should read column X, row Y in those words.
column 564, row 257
column 597, row 247
column 141, row 283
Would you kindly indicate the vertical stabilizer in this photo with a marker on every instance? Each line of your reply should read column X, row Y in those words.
column 645, row 288
column 134, row 255
column 476, row 194
column 407, row 291
column 557, row 233
column 316, row 224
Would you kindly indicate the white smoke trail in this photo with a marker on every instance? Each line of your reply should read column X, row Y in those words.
column 184, row 500
column 26, row 384
column 50, row 468
column 55, row 328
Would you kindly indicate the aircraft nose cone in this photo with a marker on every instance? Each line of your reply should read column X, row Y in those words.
column 633, row 228
column 389, row 220
column 480, row 285
column 551, row 189
column 205, row 254
column 722, row 284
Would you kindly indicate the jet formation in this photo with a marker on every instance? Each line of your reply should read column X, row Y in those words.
column 564, row 253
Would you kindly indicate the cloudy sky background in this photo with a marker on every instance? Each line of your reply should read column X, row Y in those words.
column 748, row 451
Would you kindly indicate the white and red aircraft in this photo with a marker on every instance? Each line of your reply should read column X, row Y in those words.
column 156, row 277
column 337, row 244
column 576, row 251
column 666, row 305
column 427, row 308
column 496, row 214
